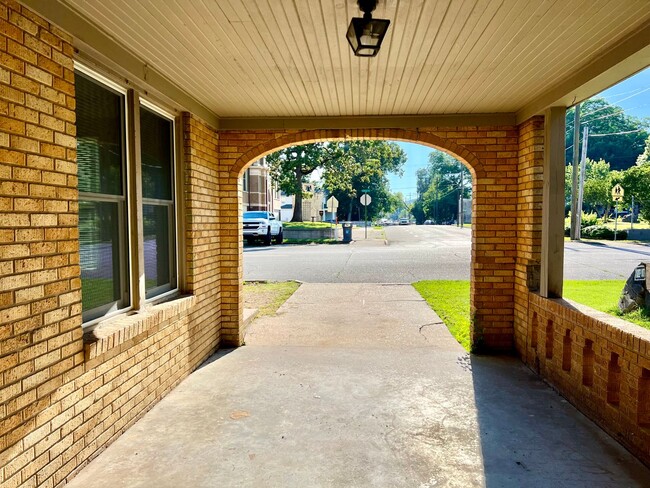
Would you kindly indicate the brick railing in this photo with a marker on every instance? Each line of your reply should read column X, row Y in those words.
column 598, row 362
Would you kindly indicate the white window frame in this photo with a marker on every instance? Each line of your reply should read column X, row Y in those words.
column 174, row 228
column 102, row 80
column 134, row 204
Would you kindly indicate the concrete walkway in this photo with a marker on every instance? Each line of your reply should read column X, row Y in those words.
column 357, row 385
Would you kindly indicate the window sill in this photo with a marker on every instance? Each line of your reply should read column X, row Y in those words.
column 118, row 333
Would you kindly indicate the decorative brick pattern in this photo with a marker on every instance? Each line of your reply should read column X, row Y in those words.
column 605, row 371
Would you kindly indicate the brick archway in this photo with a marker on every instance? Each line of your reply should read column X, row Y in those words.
column 491, row 155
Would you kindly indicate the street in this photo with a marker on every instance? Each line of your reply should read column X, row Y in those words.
column 412, row 253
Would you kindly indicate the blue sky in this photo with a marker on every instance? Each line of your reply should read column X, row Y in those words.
column 632, row 94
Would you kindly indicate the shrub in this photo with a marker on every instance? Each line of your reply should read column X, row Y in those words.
column 589, row 219
column 602, row 232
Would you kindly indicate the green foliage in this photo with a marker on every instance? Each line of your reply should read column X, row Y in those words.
column 644, row 157
column 364, row 168
column 307, row 225
column 621, row 150
column 603, row 295
column 636, row 182
column 450, row 300
column 602, row 232
column 439, row 187
column 347, row 167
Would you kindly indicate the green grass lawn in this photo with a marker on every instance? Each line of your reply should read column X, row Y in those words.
column 311, row 241
column 450, row 300
column 307, row 225
column 603, row 295
column 267, row 297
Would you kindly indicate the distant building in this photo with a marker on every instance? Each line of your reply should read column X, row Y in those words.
column 312, row 204
column 258, row 190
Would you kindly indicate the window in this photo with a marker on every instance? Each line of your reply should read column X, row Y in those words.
column 102, row 198
column 245, row 180
column 107, row 199
column 158, row 202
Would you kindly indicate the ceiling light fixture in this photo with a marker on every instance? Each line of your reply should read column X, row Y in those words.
column 365, row 34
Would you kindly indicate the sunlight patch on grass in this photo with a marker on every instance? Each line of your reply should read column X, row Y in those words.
column 307, row 225
column 450, row 300
column 267, row 297
column 603, row 295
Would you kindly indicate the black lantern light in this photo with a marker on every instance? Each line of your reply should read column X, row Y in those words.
column 366, row 34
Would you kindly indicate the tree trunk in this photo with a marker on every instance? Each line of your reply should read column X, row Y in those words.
column 297, row 206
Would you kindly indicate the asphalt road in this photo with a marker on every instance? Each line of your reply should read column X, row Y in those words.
column 414, row 253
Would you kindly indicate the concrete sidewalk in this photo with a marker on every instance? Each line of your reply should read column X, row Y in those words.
column 356, row 385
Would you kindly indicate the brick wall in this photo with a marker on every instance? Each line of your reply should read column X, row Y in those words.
column 599, row 363
column 529, row 221
column 491, row 153
column 65, row 397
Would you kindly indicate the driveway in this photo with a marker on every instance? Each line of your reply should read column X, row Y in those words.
column 360, row 385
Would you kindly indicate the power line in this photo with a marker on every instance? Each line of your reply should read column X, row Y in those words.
column 619, row 101
column 616, row 133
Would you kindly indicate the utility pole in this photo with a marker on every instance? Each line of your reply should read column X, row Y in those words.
column 575, row 226
column 460, row 199
column 581, row 187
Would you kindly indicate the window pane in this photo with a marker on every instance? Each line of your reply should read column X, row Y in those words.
column 156, row 143
column 100, row 256
column 158, row 251
column 99, row 137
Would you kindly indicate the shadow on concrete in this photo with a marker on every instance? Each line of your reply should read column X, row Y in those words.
column 530, row 436
column 609, row 246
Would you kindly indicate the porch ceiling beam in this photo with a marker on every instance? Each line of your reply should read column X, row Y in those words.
column 367, row 122
column 92, row 43
column 628, row 57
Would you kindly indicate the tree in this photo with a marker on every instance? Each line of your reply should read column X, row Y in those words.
column 291, row 167
column 598, row 185
column 439, row 188
column 644, row 157
column 620, row 150
column 636, row 181
column 365, row 168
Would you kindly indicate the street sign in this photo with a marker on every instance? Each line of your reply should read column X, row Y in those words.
column 365, row 199
column 618, row 193
column 332, row 204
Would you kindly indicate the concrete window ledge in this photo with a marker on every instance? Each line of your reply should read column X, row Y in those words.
column 121, row 332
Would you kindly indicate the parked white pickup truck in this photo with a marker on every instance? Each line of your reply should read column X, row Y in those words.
column 262, row 226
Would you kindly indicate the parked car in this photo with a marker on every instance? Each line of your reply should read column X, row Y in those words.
column 428, row 222
column 404, row 222
column 262, row 226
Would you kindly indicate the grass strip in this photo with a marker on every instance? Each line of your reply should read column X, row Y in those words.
column 603, row 295
column 307, row 225
column 450, row 300
column 267, row 297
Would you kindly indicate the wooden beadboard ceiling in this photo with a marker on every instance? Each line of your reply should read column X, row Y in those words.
column 285, row 58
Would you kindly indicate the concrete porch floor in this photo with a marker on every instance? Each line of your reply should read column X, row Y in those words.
column 355, row 385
